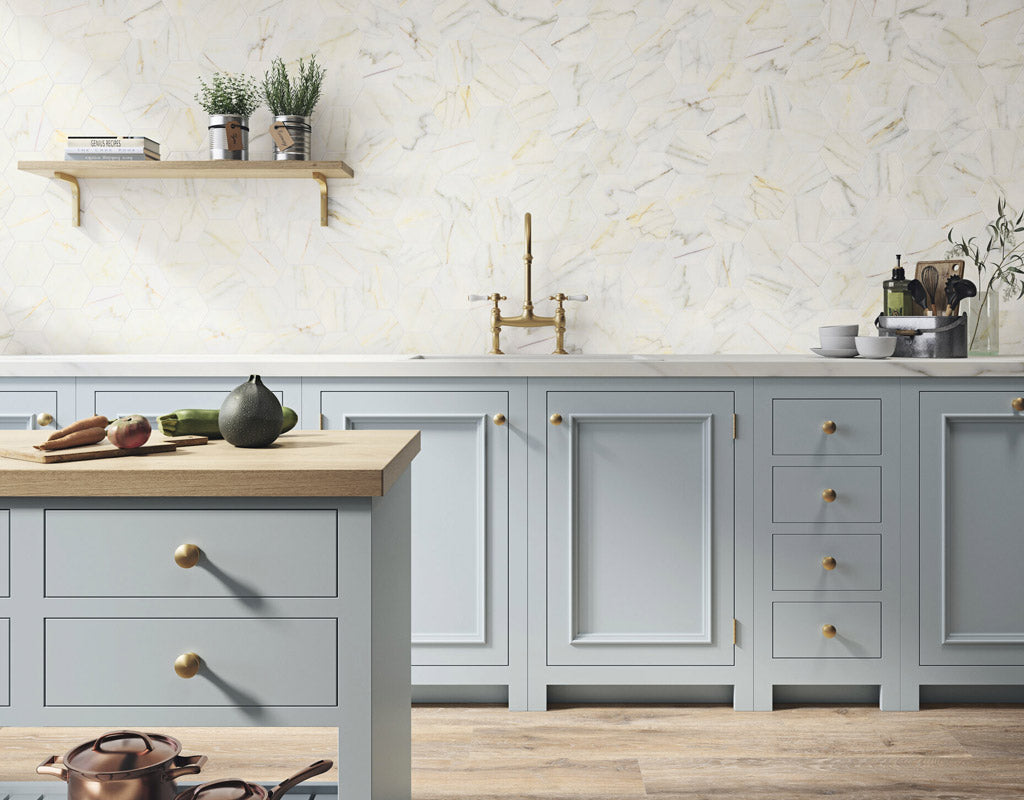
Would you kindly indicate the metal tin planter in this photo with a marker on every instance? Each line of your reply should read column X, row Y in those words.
column 220, row 149
column 301, row 131
column 926, row 337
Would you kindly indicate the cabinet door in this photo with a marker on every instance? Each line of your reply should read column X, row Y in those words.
column 28, row 410
column 971, row 508
column 459, row 516
column 640, row 528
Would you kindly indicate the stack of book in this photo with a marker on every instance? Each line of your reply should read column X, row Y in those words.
column 111, row 148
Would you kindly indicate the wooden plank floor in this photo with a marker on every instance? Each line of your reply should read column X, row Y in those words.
column 634, row 752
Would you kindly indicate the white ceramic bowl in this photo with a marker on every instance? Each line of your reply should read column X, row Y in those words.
column 838, row 330
column 838, row 342
column 876, row 346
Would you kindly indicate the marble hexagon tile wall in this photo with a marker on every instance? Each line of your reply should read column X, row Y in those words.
column 718, row 175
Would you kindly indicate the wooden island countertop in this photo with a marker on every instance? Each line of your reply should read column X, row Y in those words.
column 298, row 464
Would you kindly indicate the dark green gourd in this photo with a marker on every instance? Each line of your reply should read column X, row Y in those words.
column 251, row 415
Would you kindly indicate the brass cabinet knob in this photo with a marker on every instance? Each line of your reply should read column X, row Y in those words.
column 828, row 426
column 556, row 419
column 43, row 419
column 828, row 562
column 829, row 495
column 1017, row 404
column 499, row 419
column 187, row 665
column 187, row 555
column 828, row 631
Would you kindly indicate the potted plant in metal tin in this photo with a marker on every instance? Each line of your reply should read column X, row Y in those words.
column 229, row 99
column 1003, row 257
column 292, row 103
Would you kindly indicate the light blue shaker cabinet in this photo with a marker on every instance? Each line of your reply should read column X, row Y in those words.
column 468, row 615
column 971, row 515
column 827, row 539
column 633, row 537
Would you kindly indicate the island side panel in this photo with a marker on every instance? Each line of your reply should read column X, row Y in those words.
column 391, row 676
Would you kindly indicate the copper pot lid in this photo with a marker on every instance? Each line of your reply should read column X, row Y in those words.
column 122, row 754
column 228, row 789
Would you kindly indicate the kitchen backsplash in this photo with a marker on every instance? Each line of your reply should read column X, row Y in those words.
column 718, row 175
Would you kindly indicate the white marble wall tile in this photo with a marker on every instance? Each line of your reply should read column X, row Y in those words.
column 718, row 176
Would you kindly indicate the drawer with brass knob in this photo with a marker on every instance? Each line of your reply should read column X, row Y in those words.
column 826, row 562
column 826, row 630
column 191, row 662
column 826, row 494
column 189, row 552
column 826, row 427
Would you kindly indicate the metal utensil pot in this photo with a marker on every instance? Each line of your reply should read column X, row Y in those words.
column 926, row 337
column 123, row 765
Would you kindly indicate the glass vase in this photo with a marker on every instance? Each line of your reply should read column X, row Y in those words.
column 983, row 324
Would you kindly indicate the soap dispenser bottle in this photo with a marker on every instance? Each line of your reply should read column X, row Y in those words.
column 897, row 301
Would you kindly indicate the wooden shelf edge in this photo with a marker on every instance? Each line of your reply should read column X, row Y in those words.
column 189, row 169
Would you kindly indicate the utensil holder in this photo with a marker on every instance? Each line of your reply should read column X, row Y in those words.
column 926, row 337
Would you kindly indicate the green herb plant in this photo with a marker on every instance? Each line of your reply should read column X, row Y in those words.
column 293, row 97
column 1003, row 257
column 227, row 93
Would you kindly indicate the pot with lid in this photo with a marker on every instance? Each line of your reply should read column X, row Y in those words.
column 123, row 765
column 235, row 789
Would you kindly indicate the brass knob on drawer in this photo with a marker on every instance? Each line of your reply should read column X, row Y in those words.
column 555, row 419
column 1017, row 404
column 187, row 556
column 43, row 419
column 187, row 665
column 828, row 426
column 499, row 419
column 828, row 562
column 828, row 631
column 829, row 495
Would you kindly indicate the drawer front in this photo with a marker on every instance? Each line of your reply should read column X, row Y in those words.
column 244, row 553
column 797, row 630
column 829, row 562
column 5, row 553
column 800, row 427
column 5, row 662
column 797, row 494
column 244, row 662
column 20, row 411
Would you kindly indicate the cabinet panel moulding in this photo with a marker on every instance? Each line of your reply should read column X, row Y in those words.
column 72, row 171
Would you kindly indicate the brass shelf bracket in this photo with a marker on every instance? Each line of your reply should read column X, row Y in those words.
column 321, row 179
column 76, row 197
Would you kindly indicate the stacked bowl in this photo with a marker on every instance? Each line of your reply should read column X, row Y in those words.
column 837, row 341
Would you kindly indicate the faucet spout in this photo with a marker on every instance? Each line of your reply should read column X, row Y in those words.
column 528, row 261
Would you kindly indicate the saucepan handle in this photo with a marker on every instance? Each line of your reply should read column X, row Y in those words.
column 54, row 766
column 185, row 765
column 290, row 783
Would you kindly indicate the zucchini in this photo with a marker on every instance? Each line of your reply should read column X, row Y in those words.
column 203, row 422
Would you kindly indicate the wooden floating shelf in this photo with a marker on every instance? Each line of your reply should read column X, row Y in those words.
column 71, row 171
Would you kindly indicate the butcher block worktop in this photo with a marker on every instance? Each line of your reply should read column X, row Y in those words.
column 298, row 464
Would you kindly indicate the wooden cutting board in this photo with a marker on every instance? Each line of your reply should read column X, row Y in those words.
column 945, row 269
column 103, row 449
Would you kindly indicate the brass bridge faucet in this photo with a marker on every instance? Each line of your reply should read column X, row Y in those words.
column 528, row 319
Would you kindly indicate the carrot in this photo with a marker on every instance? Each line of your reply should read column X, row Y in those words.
column 83, row 424
column 76, row 439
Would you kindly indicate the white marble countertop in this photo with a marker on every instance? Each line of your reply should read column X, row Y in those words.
column 507, row 366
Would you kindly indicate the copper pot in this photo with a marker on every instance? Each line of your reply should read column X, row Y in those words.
column 234, row 789
column 123, row 765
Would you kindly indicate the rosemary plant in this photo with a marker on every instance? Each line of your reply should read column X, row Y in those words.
column 229, row 94
column 293, row 97
column 1003, row 256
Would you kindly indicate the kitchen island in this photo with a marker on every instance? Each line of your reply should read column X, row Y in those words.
column 216, row 586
